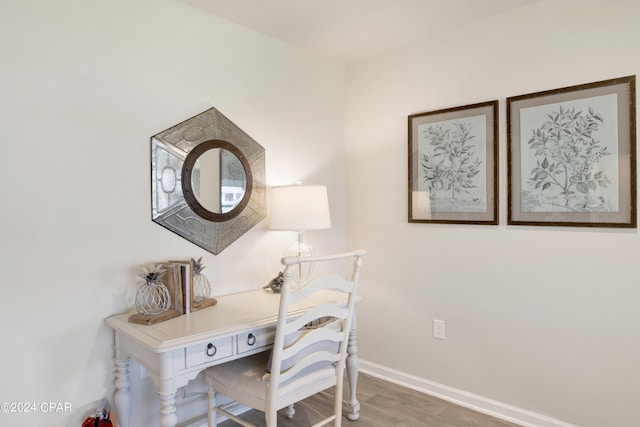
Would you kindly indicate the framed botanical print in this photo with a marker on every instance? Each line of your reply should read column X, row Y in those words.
column 453, row 165
column 572, row 156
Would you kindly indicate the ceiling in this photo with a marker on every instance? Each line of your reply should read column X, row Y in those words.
column 351, row 30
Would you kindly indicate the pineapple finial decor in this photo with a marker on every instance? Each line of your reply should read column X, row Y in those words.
column 201, row 286
column 153, row 297
column 152, row 273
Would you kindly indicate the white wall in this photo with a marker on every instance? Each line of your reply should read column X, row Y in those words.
column 544, row 319
column 83, row 86
column 541, row 318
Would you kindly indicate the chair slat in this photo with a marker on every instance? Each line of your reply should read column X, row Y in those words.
column 322, row 338
column 330, row 282
column 305, row 362
column 325, row 310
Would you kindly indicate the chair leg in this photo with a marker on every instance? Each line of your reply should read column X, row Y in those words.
column 337, row 403
column 291, row 411
column 212, row 414
column 271, row 417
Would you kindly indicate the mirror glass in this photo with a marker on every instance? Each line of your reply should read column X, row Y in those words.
column 219, row 180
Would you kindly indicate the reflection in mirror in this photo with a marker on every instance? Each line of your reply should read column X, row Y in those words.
column 219, row 180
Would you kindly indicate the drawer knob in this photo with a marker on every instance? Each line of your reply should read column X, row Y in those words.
column 251, row 339
column 211, row 350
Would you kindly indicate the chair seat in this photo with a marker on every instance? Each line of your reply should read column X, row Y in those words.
column 244, row 380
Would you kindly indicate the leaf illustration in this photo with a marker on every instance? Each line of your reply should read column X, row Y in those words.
column 582, row 187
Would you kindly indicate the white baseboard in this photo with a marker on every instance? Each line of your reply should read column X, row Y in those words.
column 478, row 403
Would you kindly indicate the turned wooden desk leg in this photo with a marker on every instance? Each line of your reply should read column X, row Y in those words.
column 353, row 365
column 122, row 396
column 168, row 417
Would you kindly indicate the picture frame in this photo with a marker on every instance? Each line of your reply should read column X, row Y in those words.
column 571, row 156
column 453, row 165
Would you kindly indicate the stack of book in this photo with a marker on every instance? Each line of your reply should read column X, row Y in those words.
column 178, row 279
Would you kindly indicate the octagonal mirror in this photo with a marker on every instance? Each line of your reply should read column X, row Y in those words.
column 207, row 180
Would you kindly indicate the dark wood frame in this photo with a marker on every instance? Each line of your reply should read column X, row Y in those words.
column 416, row 213
column 187, row 190
column 578, row 211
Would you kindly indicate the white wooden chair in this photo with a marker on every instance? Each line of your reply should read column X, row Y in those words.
column 308, row 354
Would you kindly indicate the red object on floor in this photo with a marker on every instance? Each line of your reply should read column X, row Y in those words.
column 92, row 422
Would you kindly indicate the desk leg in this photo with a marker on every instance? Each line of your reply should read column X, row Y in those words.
column 168, row 417
column 352, row 371
column 122, row 396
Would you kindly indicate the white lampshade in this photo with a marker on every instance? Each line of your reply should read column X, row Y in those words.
column 299, row 208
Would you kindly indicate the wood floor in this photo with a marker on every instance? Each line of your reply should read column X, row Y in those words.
column 383, row 404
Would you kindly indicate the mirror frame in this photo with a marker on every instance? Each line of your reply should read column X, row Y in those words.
column 187, row 187
column 173, row 154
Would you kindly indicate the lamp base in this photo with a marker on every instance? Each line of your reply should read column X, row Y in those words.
column 301, row 272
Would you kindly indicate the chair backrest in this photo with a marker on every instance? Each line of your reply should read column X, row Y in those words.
column 319, row 337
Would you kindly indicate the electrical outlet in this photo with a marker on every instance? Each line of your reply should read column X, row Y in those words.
column 438, row 329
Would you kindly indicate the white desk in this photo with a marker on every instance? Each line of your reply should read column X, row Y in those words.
column 177, row 350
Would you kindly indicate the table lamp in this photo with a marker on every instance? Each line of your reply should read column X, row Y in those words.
column 300, row 208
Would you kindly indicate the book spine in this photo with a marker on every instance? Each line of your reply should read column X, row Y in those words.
column 185, row 270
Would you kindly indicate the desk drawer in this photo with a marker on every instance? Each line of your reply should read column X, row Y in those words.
column 208, row 352
column 254, row 340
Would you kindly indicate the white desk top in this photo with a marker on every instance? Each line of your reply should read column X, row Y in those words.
column 232, row 314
